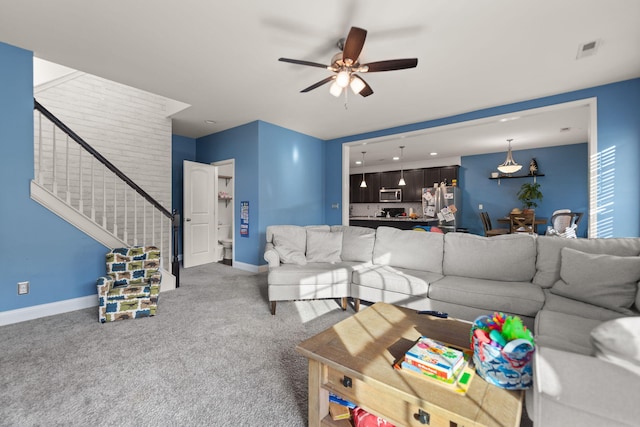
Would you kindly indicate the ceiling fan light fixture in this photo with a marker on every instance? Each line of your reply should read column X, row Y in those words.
column 356, row 85
column 335, row 89
column 343, row 78
column 509, row 165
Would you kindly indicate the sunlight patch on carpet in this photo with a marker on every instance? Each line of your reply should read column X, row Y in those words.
column 312, row 309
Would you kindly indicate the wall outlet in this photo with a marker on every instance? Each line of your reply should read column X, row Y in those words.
column 480, row 207
column 23, row 288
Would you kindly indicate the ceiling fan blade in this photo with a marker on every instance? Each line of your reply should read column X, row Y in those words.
column 353, row 45
column 318, row 84
column 300, row 62
column 366, row 91
column 391, row 65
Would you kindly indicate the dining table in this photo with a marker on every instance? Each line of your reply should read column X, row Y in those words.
column 538, row 221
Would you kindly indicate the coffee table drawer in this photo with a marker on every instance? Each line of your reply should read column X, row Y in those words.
column 391, row 406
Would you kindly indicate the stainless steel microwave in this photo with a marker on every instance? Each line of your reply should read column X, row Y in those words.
column 390, row 195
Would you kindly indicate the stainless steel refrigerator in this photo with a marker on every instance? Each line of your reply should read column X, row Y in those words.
column 442, row 203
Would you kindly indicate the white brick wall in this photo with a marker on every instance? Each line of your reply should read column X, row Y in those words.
column 127, row 126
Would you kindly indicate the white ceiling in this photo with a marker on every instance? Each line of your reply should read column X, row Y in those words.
column 221, row 57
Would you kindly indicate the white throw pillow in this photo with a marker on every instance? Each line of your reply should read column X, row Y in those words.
column 324, row 246
column 618, row 341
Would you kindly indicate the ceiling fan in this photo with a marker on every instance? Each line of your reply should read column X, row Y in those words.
column 346, row 66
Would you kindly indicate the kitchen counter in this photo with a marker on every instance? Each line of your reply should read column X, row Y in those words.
column 382, row 218
column 404, row 223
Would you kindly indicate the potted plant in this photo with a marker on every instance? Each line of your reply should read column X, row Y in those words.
column 529, row 194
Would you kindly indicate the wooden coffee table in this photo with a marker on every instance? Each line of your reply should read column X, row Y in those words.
column 354, row 358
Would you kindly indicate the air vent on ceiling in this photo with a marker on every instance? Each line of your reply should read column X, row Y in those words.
column 588, row 49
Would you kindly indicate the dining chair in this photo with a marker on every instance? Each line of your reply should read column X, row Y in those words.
column 523, row 222
column 489, row 231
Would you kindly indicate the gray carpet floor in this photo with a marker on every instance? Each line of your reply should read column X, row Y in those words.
column 213, row 356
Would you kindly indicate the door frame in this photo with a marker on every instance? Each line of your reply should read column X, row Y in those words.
column 231, row 162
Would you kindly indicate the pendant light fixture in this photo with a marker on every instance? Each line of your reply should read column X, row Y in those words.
column 363, row 184
column 401, row 182
column 509, row 165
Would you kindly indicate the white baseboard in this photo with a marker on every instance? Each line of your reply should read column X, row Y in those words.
column 50, row 309
column 59, row 307
column 246, row 267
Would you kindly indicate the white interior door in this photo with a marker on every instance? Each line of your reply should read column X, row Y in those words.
column 199, row 231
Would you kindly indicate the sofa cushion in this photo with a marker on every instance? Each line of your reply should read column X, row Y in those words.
column 510, row 258
column 564, row 331
column 323, row 246
column 618, row 341
column 605, row 280
column 548, row 260
column 562, row 304
column 408, row 249
column 357, row 242
column 387, row 278
column 522, row 298
column 310, row 274
column 288, row 250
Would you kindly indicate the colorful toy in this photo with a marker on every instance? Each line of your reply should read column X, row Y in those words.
column 496, row 321
column 513, row 329
column 497, row 340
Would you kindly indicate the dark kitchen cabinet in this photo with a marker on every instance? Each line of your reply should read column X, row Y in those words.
column 370, row 194
column 448, row 174
column 355, row 193
column 412, row 192
column 415, row 180
column 443, row 174
column 390, row 179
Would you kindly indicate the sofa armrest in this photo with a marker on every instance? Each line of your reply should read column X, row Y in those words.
column 576, row 389
column 104, row 285
column 271, row 256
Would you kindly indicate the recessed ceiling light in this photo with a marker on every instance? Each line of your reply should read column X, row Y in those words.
column 210, row 122
column 433, row 154
column 396, row 158
column 508, row 119
column 358, row 162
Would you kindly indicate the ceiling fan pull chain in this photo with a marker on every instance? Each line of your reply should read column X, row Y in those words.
column 346, row 98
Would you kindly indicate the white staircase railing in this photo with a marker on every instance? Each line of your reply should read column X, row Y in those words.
column 84, row 188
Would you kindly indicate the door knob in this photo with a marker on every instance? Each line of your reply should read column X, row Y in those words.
column 187, row 219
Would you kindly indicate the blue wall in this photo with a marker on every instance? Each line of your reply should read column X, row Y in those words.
column 241, row 144
column 182, row 148
column 618, row 132
column 35, row 245
column 62, row 263
column 280, row 173
column 564, row 185
column 333, row 173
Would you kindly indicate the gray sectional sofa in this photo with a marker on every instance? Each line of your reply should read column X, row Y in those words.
column 579, row 296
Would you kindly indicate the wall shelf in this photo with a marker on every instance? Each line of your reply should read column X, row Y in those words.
column 226, row 200
column 517, row 176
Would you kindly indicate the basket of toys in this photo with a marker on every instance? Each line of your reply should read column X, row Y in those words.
column 502, row 351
